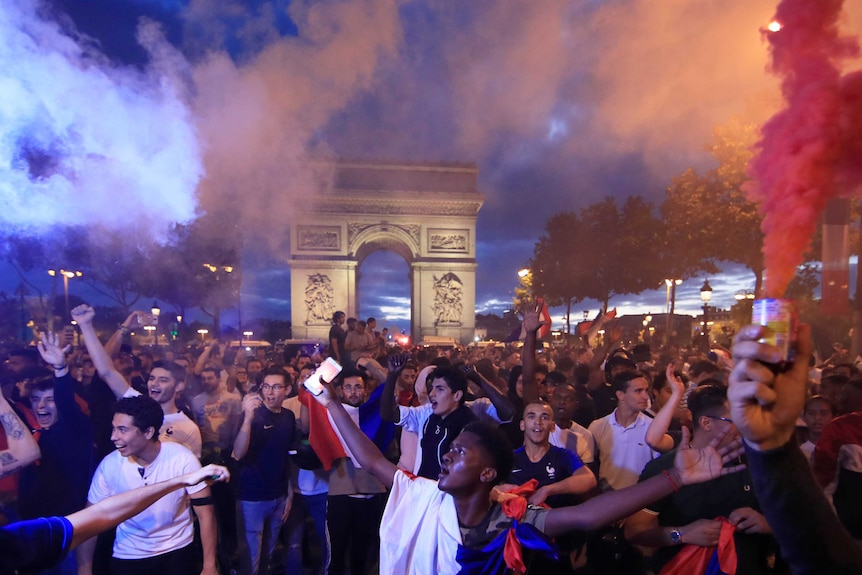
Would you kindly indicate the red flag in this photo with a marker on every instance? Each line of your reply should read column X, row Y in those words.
column 321, row 436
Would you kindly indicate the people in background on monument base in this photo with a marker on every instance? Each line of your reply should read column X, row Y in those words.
column 311, row 476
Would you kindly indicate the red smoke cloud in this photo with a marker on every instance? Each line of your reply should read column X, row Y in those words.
column 809, row 152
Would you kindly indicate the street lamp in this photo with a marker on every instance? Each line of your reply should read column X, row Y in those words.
column 203, row 333
column 523, row 272
column 67, row 275
column 705, row 297
column 744, row 294
column 217, row 269
column 671, row 284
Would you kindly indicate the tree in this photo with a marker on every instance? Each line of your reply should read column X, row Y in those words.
column 708, row 217
column 199, row 267
column 603, row 251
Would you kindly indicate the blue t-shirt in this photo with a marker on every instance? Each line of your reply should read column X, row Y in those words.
column 263, row 470
column 557, row 464
column 34, row 545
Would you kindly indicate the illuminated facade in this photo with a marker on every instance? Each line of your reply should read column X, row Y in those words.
column 426, row 213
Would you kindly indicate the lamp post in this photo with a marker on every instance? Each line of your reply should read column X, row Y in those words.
column 203, row 333
column 705, row 297
column 67, row 275
column 647, row 329
column 671, row 284
column 217, row 269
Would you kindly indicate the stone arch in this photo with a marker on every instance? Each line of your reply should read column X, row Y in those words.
column 426, row 213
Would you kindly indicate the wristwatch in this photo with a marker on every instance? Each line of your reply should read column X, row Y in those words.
column 675, row 536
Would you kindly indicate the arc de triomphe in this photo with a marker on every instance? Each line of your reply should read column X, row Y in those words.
column 426, row 213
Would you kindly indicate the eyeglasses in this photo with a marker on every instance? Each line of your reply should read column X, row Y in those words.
column 276, row 387
column 727, row 419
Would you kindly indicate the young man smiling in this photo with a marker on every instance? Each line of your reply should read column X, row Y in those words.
column 431, row 527
column 166, row 380
column 158, row 541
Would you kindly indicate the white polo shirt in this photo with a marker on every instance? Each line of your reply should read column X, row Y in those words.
column 576, row 438
column 164, row 526
column 622, row 451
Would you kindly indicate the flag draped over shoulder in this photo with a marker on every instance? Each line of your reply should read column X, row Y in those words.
column 506, row 550
column 696, row 560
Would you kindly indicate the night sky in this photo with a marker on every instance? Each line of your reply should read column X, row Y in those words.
column 559, row 104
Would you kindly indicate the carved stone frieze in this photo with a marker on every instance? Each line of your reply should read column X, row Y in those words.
column 452, row 241
column 319, row 237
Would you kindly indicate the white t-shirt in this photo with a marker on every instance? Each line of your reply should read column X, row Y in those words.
column 576, row 438
column 177, row 428
column 164, row 526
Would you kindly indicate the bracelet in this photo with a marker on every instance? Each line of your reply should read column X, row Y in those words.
column 123, row 328
column 672, row 482
column 60, row 368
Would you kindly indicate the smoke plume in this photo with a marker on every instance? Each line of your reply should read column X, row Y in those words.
column 83, row 141
column 809, row 151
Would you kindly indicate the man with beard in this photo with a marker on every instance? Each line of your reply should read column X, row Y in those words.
column 262, row 448
column 355, row 496
column 165, row 382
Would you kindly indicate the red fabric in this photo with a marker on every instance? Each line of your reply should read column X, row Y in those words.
column 515, row 507
column 321, row 436
column 545, row 314
column 694, row 560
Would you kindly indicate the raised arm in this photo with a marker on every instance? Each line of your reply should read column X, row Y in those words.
column 84, row 314
column 656, row 435
column 22, row 449
column 533, row 322
column 204, row 357
column 764, row 406
column 250, row 402
column 388, row 406
column 501, row 403
column 363, row 449
column 107, row 513
column 112, row 348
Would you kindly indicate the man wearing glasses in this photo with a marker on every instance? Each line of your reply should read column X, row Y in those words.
column 692, row 515
column 261, row 447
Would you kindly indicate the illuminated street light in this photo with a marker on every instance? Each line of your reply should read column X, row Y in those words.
column 671, row 284
column 523, row 272
column 67, row 275
column 706, row 297
column 774, row 26
column 743, row 294
column 203, row 333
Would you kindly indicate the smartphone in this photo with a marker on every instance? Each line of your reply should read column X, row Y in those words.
column 325, row 372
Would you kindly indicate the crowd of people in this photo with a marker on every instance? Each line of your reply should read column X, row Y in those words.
column 427, row 460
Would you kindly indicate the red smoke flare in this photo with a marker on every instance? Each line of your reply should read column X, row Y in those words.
column 809, row 151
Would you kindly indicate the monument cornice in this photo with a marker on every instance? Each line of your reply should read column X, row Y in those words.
column 408, row 205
